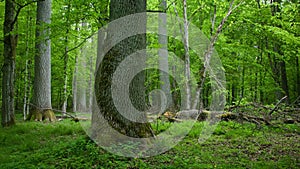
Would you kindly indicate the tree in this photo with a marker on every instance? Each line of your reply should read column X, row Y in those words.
column 163, row 57
column 110, row 62
column 9, row 66
column 42, row 66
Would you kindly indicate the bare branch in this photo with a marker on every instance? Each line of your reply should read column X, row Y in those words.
column 79, row 45
column 20, row 8
column 276, row 106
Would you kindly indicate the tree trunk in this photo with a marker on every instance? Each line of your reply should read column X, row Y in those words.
column 81, row 78
column 66, row 60
column 91, row 79
column 65, row 92
column 42, row 66
column 74, row 83
column 109, row 64
column 187, row 58
column 8, row 69
column 163, row 58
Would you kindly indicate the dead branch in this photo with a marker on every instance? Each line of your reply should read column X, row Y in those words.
column 276, row 106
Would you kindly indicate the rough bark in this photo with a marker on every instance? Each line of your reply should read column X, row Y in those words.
column 42, row 65
column 8, row 69
column 110, row 62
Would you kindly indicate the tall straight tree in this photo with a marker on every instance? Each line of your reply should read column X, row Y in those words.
column 42, row 65
column 9, row 66
column 163, row 57
column 109, row 64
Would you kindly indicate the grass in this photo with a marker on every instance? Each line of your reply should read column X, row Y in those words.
column 65, row 145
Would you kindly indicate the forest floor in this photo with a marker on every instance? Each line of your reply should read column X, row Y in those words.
column 64, row 144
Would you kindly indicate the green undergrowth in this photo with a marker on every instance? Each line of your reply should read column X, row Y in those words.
column 232, row 145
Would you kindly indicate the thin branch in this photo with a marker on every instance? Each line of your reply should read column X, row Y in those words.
column 79, row 45
column 20, row 8
column 276, row 106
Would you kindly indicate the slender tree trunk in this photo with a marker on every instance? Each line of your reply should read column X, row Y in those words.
column 82, row 79
column 29, row 43
column 9, row 66
column 66, row 60
column 209, row 52
column 42, row 66
column 25, row 90
column 91, row 79
column 74, row 84
column 163, row 58
column 103, row 82
column 187, row 58
column 75, row 75
column 65, row 92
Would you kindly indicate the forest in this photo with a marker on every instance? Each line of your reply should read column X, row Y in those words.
column 150, row 84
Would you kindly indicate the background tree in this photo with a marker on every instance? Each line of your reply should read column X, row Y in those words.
column 9, row 66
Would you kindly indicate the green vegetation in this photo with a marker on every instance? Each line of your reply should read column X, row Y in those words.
column 65, row 145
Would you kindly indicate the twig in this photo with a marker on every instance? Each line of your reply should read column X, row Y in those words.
column 79, row 45
column 20, row 8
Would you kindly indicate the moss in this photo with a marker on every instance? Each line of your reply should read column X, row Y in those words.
column 40, row 115
column 35, row 114
column 49, row 115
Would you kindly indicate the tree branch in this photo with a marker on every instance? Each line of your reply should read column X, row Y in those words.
column 20, row 8
column 276, row 106
column 79, row 45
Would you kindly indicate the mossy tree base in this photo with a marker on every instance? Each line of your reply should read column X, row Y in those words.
column 41, row 115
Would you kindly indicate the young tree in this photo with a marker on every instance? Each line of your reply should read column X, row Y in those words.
column 163, row 57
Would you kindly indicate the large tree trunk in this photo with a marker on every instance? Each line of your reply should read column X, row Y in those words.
column 8, row 69
column 42, row 66
column 109, row 64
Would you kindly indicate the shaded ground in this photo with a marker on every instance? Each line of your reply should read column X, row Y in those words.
column 64, row 145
